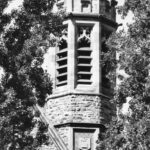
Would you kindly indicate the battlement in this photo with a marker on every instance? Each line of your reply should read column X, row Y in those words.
column 102, row 7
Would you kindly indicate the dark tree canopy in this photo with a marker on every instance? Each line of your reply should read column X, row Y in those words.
column 24, row 39
column 131, row 131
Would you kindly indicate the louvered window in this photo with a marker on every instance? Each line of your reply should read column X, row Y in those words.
column 84, row 59
column 61, row 59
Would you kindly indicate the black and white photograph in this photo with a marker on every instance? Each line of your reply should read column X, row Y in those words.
column 74, row 74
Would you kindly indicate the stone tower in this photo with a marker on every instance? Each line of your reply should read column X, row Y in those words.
column 79, row 105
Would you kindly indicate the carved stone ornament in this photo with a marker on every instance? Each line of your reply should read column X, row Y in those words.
column 84, row 143
column 84, row 33
column 63, row 40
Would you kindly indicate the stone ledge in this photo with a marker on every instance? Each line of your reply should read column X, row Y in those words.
column 73, row 124
column 99, row 17
column 76, row 93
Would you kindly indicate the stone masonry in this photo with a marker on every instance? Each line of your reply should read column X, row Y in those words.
column 79, row 108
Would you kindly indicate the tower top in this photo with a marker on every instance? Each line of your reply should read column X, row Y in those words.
column 101, row 7
column 78, row 67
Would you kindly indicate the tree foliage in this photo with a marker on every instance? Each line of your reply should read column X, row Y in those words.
column 24, row 39
column 131, row 131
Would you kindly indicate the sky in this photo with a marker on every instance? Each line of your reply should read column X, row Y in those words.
column 14, row 5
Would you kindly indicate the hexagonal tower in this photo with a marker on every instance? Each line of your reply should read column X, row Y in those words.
column 79, row 105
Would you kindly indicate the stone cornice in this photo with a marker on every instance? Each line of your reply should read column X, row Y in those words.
column 93, row 16
column 76, row 124
column 76, row 93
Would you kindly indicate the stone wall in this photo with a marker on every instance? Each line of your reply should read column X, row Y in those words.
column 79, row 109
column 76, row 108
column 64, row 134
column 73, row 108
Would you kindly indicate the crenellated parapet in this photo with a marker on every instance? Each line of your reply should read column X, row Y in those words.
column 106, row 8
